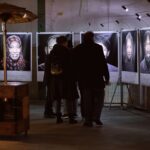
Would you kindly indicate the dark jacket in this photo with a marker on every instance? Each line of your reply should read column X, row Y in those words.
column 90, row 67
column 67, row 85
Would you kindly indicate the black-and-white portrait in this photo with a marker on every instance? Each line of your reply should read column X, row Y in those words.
column 18, row 52
column 145, row 51
column 46, row 41
column 109, row 42
column 129, row 51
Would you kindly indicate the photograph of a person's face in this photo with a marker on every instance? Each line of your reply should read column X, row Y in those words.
column 46, row 41
column 129, row 51
column 145, row 51
column 109, row 42
column 18, row 48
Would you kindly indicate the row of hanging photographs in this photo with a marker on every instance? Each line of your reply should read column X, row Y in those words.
column 127, row 54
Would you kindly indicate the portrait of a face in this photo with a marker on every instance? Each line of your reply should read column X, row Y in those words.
column 18, row 52
column 109, row 50
column 14, row 47
column 129, row 46
column 128, row 51
column 18, row 56
column 46, row 41
column 50, row 43
column 145, row 53
column 147, row 46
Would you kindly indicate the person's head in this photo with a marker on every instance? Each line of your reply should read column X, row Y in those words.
column 14, row 47
column 88, row 37
column 50, row 43
column 129, row 46
column 62, row 40
column 147, row 44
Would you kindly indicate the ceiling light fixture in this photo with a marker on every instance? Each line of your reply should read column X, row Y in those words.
column 138, row 16
column 125, row 8
column 139, row 19
column 102, row 25
column 148, row 14
column 117, row 21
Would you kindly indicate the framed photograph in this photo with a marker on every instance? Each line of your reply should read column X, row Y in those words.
column 45, row 42
column 144, row 37
column 18, row 56
column 129, row 57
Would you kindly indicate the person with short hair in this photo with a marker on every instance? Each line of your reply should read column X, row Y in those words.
column 91, row 73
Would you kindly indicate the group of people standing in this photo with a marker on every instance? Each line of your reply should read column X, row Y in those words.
column 84, row 67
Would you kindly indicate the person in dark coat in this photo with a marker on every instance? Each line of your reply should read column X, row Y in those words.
column 91, row 73
column 60, row 79
column 48, row 109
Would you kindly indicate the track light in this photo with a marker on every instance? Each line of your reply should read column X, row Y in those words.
column 139, row 19
column 138, row 16
column 125, row 8
column 117, row 21
column 102, row 25
column 148, row 14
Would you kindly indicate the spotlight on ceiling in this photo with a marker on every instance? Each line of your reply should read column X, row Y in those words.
column 125, row 8
column 102, row 25
column 139, row 19
column 148, row 14
column 117, row 21
column 138, row 16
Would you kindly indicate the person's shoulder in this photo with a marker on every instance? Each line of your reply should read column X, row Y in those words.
column 78, row 46
column 98, row 45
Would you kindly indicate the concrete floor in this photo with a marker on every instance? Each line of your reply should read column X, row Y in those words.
column 122, row 130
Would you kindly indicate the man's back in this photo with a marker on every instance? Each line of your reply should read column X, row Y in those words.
column 91, row 65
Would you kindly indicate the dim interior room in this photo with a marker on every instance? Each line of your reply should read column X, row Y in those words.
column 114, row 24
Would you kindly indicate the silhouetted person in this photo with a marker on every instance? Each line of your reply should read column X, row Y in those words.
column 48, row 110
column 91, row 72
column 59, row 69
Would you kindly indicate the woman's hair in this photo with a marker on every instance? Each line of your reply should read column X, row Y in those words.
column 129, row 37
column 15, row 64
column 12, row 38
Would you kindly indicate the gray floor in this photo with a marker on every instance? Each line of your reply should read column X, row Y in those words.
column 122, row 130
